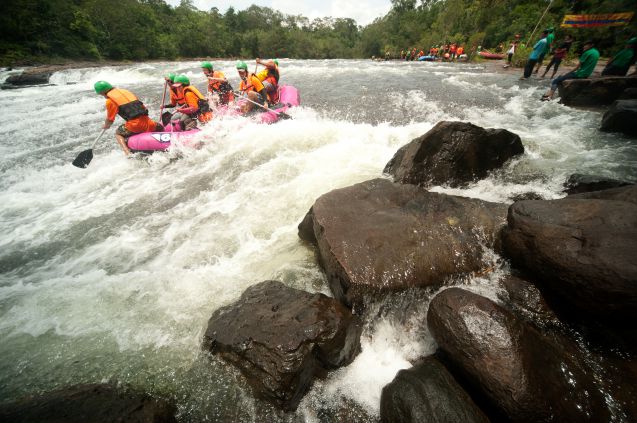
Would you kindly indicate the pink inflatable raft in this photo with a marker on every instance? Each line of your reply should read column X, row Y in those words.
column 161, row 141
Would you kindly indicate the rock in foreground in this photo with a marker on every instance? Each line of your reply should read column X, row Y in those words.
column 280, row 338
column 379, row 236
column 88, row 403
column 427, row 393
column 453, row 153
column 525, row 375
column 581, row 252
column 621, row 117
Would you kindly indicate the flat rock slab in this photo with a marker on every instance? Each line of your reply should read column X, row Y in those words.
column 453, row 153
column 595, row 92
column 379, row 236
column 581, row 252
column 427, row 393
column 578, row 183
column 281, row 338
column 99, row 403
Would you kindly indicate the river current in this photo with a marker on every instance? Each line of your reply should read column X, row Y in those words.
column 110, row 273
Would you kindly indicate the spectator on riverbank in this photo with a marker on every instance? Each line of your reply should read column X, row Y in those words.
column 538, row 49
column 587, row 62
column 550, row 38
column 558, row 56
column 623, row 60
column 511, row 51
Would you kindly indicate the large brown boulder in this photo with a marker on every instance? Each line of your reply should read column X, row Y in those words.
column 427, row 393
column 525, row 375
column 281, row 338
column 99, row 403
column 624, row 193
column 453, row 153
column 581, row 252
column 379, row 236
column 621, row 117
column 592, row 92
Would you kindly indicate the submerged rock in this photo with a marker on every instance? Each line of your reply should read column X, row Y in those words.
column 578, row 183
column 281, row 338
column 99, row 403
column 581, row 252
column 525, row 375
column 453, row 153
column 621, row 117
column 28, row 78
column 524, row 297
column 427, row 393
column 626, row 193
column 379, row 236
column 591, row 92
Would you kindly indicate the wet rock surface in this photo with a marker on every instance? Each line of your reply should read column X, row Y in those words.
column 427, row 392
column 281, row 338
column 627, row 193
column 621, row 117
column 453, row 153
column 578, row 183
column 595, row 92
column 526, row 376
column 379, row 236
column 581, row 252
column 89, row 403
column 526, row 299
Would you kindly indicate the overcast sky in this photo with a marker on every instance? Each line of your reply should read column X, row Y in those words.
column 362, row 12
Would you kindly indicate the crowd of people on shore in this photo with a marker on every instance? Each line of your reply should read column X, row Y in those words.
column 256, row 90
column 443, row 51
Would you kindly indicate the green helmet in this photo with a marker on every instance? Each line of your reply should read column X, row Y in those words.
column 276, row 62
column 182, row 79
column 102, row 87
column 242, row 65
column 206, row 65
column 170, row 76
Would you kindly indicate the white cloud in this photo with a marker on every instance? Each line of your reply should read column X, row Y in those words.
column 362, row 12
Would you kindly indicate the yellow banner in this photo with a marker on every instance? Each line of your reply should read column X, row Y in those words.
column 588, row 21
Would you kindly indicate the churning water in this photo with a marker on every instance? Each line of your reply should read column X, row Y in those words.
column 110, row 273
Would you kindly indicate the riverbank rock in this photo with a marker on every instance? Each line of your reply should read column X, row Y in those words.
column 525, row 375
column 281, row 338
column 427, row 393
column 453, row 153
column 581, row 252
column 578, row 183
column 626, row 193
column 621, row 117
column 379, row 236
column 99, row 403
column 28, row 78
column 595, row 92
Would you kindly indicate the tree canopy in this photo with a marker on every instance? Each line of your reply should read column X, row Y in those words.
column 152, row 29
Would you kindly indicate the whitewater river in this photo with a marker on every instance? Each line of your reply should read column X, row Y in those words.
column 111, row 273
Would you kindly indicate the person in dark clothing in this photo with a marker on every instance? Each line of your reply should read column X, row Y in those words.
column 558, row 56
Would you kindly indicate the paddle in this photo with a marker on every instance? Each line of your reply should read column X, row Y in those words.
column 283, row 115
column 84, row 158
column 163, row 98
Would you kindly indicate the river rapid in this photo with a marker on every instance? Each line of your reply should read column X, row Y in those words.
column 110, row 273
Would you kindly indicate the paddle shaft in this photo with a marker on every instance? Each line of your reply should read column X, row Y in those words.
column 245, row 97
column 163, row 98
column 97, row 139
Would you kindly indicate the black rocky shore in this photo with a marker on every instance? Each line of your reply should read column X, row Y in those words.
column 558, row 344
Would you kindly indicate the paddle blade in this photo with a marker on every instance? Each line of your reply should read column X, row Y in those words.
column 83, row 159
column 284, row 116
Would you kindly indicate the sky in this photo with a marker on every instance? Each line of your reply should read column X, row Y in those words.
column 362, row 12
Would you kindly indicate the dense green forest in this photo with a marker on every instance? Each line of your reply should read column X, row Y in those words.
column 41, row 30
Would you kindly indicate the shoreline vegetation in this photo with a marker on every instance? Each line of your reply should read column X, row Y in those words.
column 133, row 30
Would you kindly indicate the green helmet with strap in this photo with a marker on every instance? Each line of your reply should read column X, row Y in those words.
column 102, row 87
column 170, row 76
column 182, row 79
column 242, row 65
column 206, row 65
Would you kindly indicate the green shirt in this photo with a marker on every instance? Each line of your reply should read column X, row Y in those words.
column 549, row 41
column 623, row 58
column 587, row 61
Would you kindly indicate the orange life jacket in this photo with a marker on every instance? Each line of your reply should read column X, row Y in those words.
column 249, row 84
column 177, row 96
column 202, row 102
column 128, row 106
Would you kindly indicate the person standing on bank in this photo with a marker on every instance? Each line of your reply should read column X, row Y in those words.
column 130, row 108
column 558, row 56
column 538, row 50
